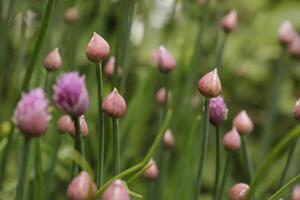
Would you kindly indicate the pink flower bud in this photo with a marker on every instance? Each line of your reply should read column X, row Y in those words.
column 53, row 60
column 286, row 33
column 169, row 140
column 151, row 173
column 82, row 187
column 161, row 96
column 297, row 110
column 217, row 110
column 65, row 124
column 71, row 15
column 238, row 191
column 294, row 46
column 209, row 85
column 229, row 21
column 243, row 123
column 110, row 67
column 84, row 130
column 166, row 62
column 114, row 104
column 296, row 193
column 116, row 191
column 97, row 49
column 232, row 140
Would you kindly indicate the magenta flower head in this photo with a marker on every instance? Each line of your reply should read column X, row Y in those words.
column 166, row 62
column 239, row 191
column 70, row 94
column 169, row 139
column 229, row 21
column 97, row 49
column 232, row 140
column 31, row 115
column 114, row 104
column 210, row 85
column 243, row 123
column 82, row 187
column 294, row 46
column 116, row 191
column 286, row 33
column 53, row 60
column 151, row 173
column 217, row 111
column 296, row 193
column 297, row 110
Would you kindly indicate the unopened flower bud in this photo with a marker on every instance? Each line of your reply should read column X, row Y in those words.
column 238, row 191
column 229, row 21
column 294, row 46
column 169, row 140
column 297, row 110
column 53, row 60
column 166, row 62
column 161, row 96
column 243, row 123
column 114, row 104
column 97, row 49
column 217, row 110
column 151, row 173
column 232, row 140
column 82, row 187
column 286, row 33
column 116, row 191
column 71, row 15
column 209, row 85
column 296, row 193
column 110, row 67
column 65, row 124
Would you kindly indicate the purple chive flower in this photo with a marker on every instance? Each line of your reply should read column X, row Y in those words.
column 31, row 115
column 70, row 94
column 217, row 111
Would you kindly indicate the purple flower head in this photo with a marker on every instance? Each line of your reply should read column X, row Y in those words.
column 217, row 110
column 70, row 94
column 31, row 115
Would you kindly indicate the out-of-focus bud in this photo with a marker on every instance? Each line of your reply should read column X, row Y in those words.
column 238, row 191
column 169, row 140
column 97, row 49
column 297, row 110
column 65, row 124
column 294, row 46
column 151, row 173
column 210, row 85
column 71, row 15
column 116, row 191
column 53, row 60
column 110, row 67
column 217, row 110
column 243, row 123
column 232, row 140
column 161, row 96
column 286, row 33
column 114, row 104
column 229, row 21
column 296, row 193
column 166, row 62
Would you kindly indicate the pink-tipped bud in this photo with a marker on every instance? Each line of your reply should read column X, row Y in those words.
column 71, row 15
column 161, row 96
column 151, row 173
column 238, row 191
column 210, row 85
column 169, row 140
column 65, row 124
column 166, row 62
column 84, row 130
column 82, row 187
column 296, row 193
column 286, row 33
column 110, row 67
column 243, row 123
column 229, row 21
column 53, row 60
column 232, row 140
column 217, row 111
column 116, row 191
column 114, row 104
column 294, row 46
column 97, row 49
column 297, row 110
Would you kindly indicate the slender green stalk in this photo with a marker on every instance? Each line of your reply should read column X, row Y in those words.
column 288, row 162
column 78, row 139
column 116, row 142
column 46, row 83
column 204, row 140
column 218, row 154
column 39, row 171
column 247, row 158
column 220, row 49
column 101, row 150
column 22, row 169
column 224, row 177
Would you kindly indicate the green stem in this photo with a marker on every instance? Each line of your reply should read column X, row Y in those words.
column 204, row 140
column 101, row 152
column 247, row 158
column 218, row 153
column 116, row 140
column 22, row 169
column 39, row 171
column 46, row 83
column 224, row 177
column 78, row 139
column 220, row 51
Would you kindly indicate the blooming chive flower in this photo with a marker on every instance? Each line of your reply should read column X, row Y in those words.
column 169, row 140
column 166, row 62
column 116, row 191
column 238, row 191
column 97, row 49
column 243, row 123
column 114, row 104
column 286, row 33
column 229, row 21
column 70, row 94
column 217, row 111
column 151, row 173
column 210, row 85
column 53, row 60
column 82, row 188
column 232, row 140
column 31, row 115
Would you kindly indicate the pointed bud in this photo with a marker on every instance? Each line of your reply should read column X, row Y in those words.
column 209, row 85
column 217, row 111
column 229, row 21
column 297, row 110
column 169, row 140
column 151, row 173
column 82, row 187
column 97, row 49
column 166, row 62
column 116, row 191
column 243, row 123
column 110, row 67
column 238, row 191
column 84, row 130
column 114, row 104
column 53, row 60
column 65, row 124
column 296, row 193
column 294, row 46
column 71, row 15
column 161, row 96
column 286, row 33
column 232, row 140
